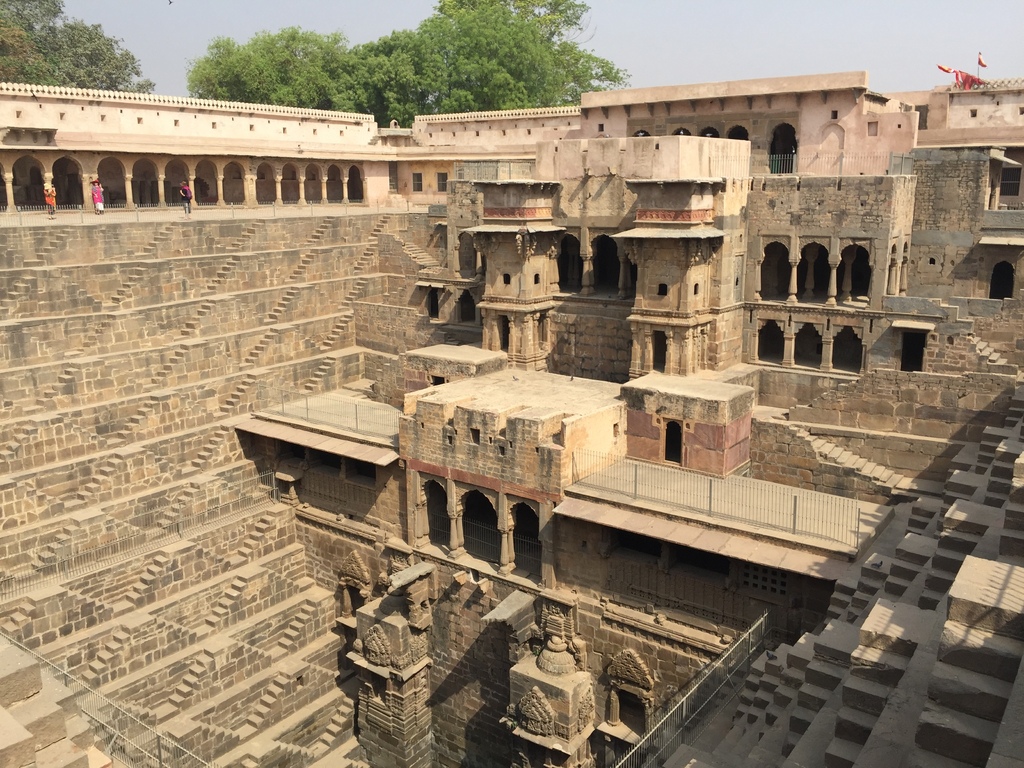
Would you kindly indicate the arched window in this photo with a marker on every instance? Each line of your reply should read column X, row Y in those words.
column 812, row 274
column 738, row 132
column 1001, row 284
column 681, row 132
column 847, row 351
column 438, row 522
column 433, row 304
column 709, row 132
column 480, row 527
column 807, row 346
column 467, row 308
column 775, row 272
column 857, row 262
column 642, row 132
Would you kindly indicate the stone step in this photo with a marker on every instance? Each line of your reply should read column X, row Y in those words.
column 969, row 692
column 955, row 734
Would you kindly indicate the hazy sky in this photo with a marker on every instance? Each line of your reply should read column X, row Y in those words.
column 659, row 42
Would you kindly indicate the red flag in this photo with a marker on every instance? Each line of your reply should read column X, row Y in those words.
column 946, row 69
column 981, row 61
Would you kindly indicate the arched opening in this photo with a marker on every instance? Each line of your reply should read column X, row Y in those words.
column 673, row 442
column 570, row 265
column 480, row 527
column 438, row 522
column 266, row 188
column 681, row 132
column 289, row 184
column 467, row 254
column 174, row 173
column 67, row 181
column 433, row 303
column 771, row 343
column 606, row 264
column 355, row 184
column 632, row 712
column 313, row 189
column 4, row 202
column 641, row 133
column 335, row 185
column 1001, row 284
column 847, row 350
column 28, row 181
column 775, row 271
column 912, row 350
column 710, row 133
column 813, row 271
column 204, row 191
column 144, row 184
column 782, row 150
column 234, row 184
column 467, row 308
column 110, row 172
column 504, row 328
column 659, row 347
column 857, row 260
column 526, row 538
column 807, row 347
column 739, row 133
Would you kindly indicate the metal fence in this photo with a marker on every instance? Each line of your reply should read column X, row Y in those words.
column 813, row 163
column 481, row 540
column 156, row 525
column 753, row 502
column 494, row 170
column 527, row 553
column 123, row 736
column 36, row 215
column 693, row 709
column 332, row 409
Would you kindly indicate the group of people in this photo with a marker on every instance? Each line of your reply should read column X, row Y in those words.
column 50, row 198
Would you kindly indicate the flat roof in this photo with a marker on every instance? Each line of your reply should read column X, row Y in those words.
column 729, row 88
column 513, row 228
column 535, row 393
column 348, row 448
column 463, row 354
column 670, row 233
column 694, row 386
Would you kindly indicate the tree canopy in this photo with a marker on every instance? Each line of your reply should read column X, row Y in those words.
column 470, row 55
column 39, row 44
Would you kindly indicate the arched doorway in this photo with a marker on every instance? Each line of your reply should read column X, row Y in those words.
column 111, row 175
column 857, row 261
column 775, row 272
column 355, row 184
column 739, row 133
column 335, row 185
column 438, row 522
column 433, row 303
column 67, row 181
column 807, row 347
column 709, row 132
column 782, row 150
column 847, row 350
column 526, row 546
column 480, row 527
column 467, row 308
column 266, row 188
column 144, row 183
column 813, row 272
column 606, row 264
column 28, row 181
column 314, row 188
column 175, row 173
column 1001, row 284
column 771, row 343
column 504, row 330
column 205, row 187
column 289, row 184
column 673, row 442
column 234, row 184
column 570, row 265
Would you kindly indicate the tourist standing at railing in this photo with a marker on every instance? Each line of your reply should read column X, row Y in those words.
column 50, row 197
column 97, row 196
column 186, row 199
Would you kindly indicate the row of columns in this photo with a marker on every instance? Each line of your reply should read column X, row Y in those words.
column 527, row 334
column 896, row 280
column 685, row 349
column 789, row 346
column 835, row 258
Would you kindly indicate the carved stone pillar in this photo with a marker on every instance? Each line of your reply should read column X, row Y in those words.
column 904, row 269
column 648, row 363
column 129, row 193
column 344, row 187
column 455, row 519
column 833, row 269
column 302, row 189
column 160, row 180
column 826, row 350
column 636, row 363
column 757, row 278
column 588, row 276
column 672, row 354
column 277, row 187
column 220, row 191
column 9, row 184
column 623, row 276
column 792, row 279
column 789, row 349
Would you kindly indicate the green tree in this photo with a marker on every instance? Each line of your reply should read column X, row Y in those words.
column 55, row 50
column 292, row 67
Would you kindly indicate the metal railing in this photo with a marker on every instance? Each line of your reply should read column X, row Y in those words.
column 527, row 553
column 123, row 736
column 756, row 503
column 693, row 709
column 494, row 170
column 811, row 163
column 363, row 417
column 157, row 525
column 481, row 540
